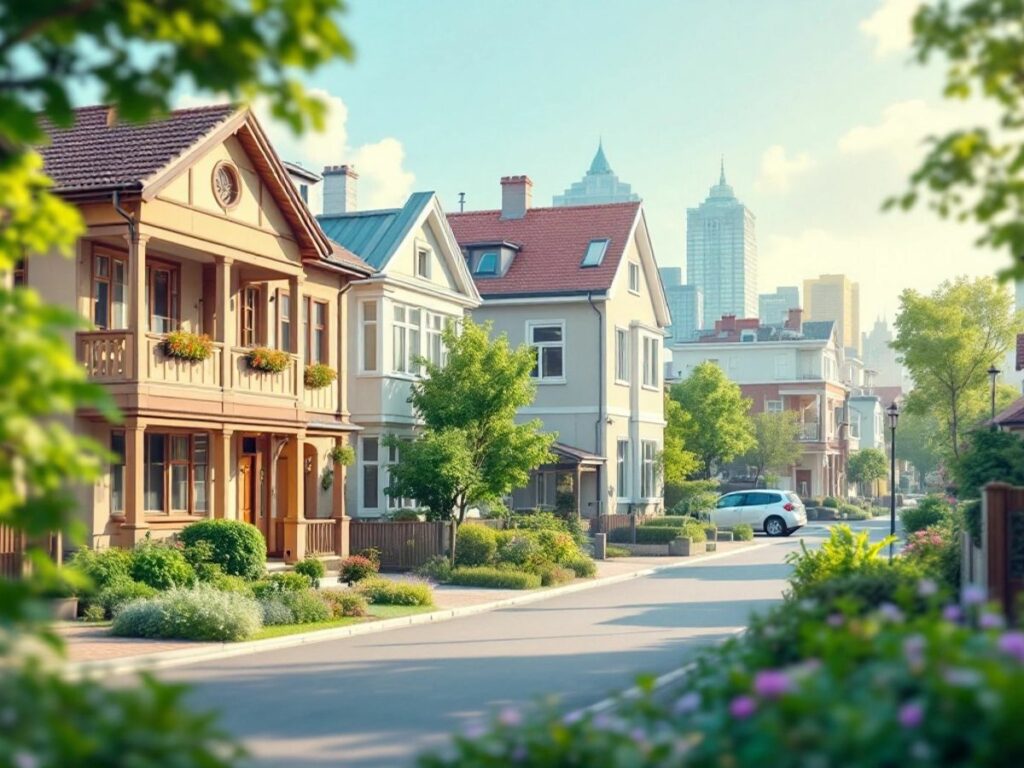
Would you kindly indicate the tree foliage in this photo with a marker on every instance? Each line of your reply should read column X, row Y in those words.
column 776, row 442
column 718, row 429
column 919, row 439
column 948, row 340
column 471, row 449
column 990, row 457
column 678, row 463
column 866, row 466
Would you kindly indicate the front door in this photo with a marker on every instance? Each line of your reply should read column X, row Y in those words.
column 803, row 483
column 247, row 489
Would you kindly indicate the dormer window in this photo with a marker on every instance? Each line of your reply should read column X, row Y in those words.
column 487, row 263
column 594, row 255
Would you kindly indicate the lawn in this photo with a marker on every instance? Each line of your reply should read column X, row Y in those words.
column 377, row 612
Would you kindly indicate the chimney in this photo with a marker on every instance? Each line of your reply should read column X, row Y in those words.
column 794, row 320
column 727, row 323
column 340, row 189
column 111, row 116
column 516, row 196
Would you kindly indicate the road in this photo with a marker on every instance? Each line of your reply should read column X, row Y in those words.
column 378, row 700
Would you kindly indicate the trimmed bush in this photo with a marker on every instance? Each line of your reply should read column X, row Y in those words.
column 381, row 591
column 306, row 606
column 694, row 530
column 438, row 568
column 280, row 582
column 200, row 613
column 356, row 568
column 161, row 566
column 475, row 545
column 611, row 550
column 646, row 534
column 119, row 593
column 237, row 547
column 743, row 532
column 930, row 511
column 556, row 546
column 667, row 521
column 830, row 501
column 344, row 604
column 495, row 578
column 103, row 567
column 581, row 565
column 517, row 548
column 312, row 568
column 854, row 512
column 552, row 575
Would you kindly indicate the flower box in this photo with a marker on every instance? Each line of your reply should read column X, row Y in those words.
column 266, row 360
column 318, row 376
column 185, row 345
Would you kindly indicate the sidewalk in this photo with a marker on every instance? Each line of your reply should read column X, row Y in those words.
column 91, row 649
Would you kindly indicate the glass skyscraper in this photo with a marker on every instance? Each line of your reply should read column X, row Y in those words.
column 685, row 304
column 773, row 308
column 600, row 185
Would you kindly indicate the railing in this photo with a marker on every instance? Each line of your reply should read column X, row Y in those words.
column 810, row 431
column 323, row 399
column 12, row 550
column 320, row 536
column 245, row 379
column 173, row 370
column 106, row 355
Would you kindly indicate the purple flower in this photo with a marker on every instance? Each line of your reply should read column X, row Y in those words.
column 638, row 735
column 742, row 707
column 973, row 595
column 835, row 620
column 911, row 715
column 25, row 760
column 989, row 620
column 519, row 754
column 688, row 702
column 952, row 613
column 890, row 612
column 475, row 730
column 927, row 587
column 1012, row 644
column 771, row 683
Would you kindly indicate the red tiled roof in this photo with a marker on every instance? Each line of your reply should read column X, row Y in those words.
column 92, row 155
column 345, row 258
column 1020, row 351
column 552, row 242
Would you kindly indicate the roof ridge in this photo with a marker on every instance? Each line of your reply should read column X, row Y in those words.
column 557, row 208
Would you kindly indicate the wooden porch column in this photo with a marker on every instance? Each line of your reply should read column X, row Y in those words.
column 224, row 327
column 222, row 506
column 135, row 525
column 298, row 316
column 138, row 322
column 578, row 480
column 341, row 540
column 294, row 523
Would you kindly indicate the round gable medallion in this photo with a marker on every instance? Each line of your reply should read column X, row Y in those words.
column 226, row 186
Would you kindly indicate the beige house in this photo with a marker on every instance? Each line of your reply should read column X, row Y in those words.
column 580, row 285
column 192, row 224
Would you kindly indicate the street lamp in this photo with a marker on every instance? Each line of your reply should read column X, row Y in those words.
column 992, row 373
column 894, row 416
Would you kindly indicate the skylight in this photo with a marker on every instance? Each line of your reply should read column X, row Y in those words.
column 595, row 253
column 487, row 264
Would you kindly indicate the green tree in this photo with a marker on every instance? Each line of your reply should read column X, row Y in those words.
column 867, row 466
column 677, row 462
column 919, row 439
column 975, row 172
column 718, row 429
column 948, row 340
column 471, row 449
column 776, row 442
column 989, row 457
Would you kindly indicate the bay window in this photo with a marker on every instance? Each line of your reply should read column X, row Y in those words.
column 648, row 473
column 406, row 340
column 368, row 336
column 433, row 342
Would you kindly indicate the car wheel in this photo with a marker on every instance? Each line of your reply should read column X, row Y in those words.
column 775, row 526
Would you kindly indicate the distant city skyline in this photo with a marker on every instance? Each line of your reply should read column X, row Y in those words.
column 685, row 303
column 599, row 185
column 773, row 308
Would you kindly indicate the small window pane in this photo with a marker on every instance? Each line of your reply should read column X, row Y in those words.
column 595, row 253
column 370, row 481
column 487, row 263
column 552, row 361
column 179, row 487
column 179, row 448
column 547, row 333
column 370, row 451
column 370, row 310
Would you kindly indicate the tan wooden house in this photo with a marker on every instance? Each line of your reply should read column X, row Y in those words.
column 193, row 224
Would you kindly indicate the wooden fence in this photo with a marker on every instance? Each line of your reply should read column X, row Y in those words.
column 609, row 523
column 403, row 545
column 11, row 553
column 1002, row 515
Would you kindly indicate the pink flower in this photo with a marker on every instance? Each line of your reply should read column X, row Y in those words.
column 510, row 717
column 771, row 684
column 911, row 715
column 1012, row 644
column 742, row 707
column 973, row 595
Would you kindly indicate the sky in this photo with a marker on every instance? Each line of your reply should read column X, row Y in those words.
column 816, row 107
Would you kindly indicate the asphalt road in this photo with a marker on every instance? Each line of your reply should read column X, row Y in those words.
column 378, row 700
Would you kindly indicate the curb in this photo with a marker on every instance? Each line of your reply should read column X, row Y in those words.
column 167, row 659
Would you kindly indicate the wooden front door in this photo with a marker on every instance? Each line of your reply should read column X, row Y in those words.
column 803, row 482
column 247, row 480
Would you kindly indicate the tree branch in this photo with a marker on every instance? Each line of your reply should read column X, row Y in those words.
column 67, row 12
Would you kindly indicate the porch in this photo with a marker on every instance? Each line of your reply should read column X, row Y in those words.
column 567, row 485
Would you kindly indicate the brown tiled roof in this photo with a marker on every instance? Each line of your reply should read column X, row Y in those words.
column 1012, row 415
column 344, row 257
column 552, row 242
column 93, row 156
column 1020, row 351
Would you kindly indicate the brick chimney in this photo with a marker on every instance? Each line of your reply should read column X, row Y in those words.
column 794, row 320
column 516, row 196
column 727, row 323
column 340, row 189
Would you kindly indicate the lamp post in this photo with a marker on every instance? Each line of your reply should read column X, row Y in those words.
column 894, row 416
column 992, row 373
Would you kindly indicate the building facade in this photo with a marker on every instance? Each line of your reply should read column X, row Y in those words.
column 721, row 254
column 685, row 303
column 835, row 298
column 599, row 186
column 773, row 308
column 581, row 286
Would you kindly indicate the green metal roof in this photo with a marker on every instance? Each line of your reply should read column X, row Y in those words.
column 374, row 235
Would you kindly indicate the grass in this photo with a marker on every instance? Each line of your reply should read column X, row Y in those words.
column 377, row 612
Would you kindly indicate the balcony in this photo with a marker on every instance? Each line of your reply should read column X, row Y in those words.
column 284, row 384
column 106, row 355
column 810, row 432
column 172, row 370
column 322, row 399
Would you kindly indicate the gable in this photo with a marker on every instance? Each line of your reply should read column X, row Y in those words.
column 650, row 295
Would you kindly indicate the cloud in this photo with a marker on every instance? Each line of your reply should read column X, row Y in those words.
column 383, row 180
column 890, row 26
column 778, row 169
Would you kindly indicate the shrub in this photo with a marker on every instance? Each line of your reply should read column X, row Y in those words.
column 517, row 548
column 539, row 520
column 438, row 568
column 306, row 606
column 646, row 534
column 581, row 565
column 161, row 566
column 278, row 583
column 743, row 532
column 931, row 510
column 94, row 612
column 611, row 550
column 853, row 512
column 693, row 529
column 830, row 501
column 372, row 554
column 475, row 545
column 381, row 591
column 275, row 611
column 692, row 497
column 185, row 345
column 318, row 376
column 312, row 568
column 495, row 578
column 356, row 568
column 405, row 515
column 842, row 554
column 237, row 547
column 710, row 531
column 119, row 593
column 266, row 360
column 556, row 546
column 344, row 604
column 234, row 584
column 869, row 586
column 103, row 566
column 552, row 575
column 199, row 613
column 667, row 521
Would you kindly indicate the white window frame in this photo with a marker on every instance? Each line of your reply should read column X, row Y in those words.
column 648, row 468
column 539, row 378
column 634, row 277
column 622, row 490
column 773, row 406
column 409, row 333
column 395, row 502
column 363, row 325
column 650, row 363
column 623, row 363
column 433, row 344
column 427, row 261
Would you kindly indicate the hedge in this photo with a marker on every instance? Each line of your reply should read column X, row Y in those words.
column 495, row 578
column 238, row 547
column 382, row 591
column 475, row 545
column 645, row 535
column 202, row 613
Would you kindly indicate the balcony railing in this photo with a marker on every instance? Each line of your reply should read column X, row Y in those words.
column 810, row 431
column 320, row 537
column 322, row 399
column 244, row 379
column 172, row 370
column 106, row 355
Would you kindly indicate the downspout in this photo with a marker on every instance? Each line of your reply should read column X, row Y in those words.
column 124, row 215
column 599, row 423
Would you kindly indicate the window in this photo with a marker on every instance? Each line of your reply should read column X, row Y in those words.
column 249, row 318
column 541, row 488
column 595, row 252
column 435, row 351
column 117, row 473
column 176, row 473
column 304, row 193
column 284, row 321
column 647, row 469
column 423, row 263
column 487, row 263
column 397, row 502
column 316, row 332
column 650, row 362
column 731, row 500
column 109, row 292
column 162, row 283
column 634, row 277
column 622, row 355
column 371, row 473
column 406, row 346
column 20, row 273
column 622, row 468
column 369, row 335
column 549, row 341
column 773, row 406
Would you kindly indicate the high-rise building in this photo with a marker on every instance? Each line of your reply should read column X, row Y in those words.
column 880, row 358
column 685, row 303
column 721, row 254
column 600, row 185
column 837, row 298
column 773, row 308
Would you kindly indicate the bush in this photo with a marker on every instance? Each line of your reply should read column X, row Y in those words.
column 971, row 512
column 830, row 501
column 495, row 578
column 438, row 568
column 743, row 532
column 930, row 511
column 344, row 604
column 199, row 613
column 611, row 550
column 475, row 545
column 356, row 568
column 237, row 547
column 318, row 376
column 103, row 566
column 119, row 593
column 556, row 546
column 539, row 520
column 381, row 591
column 853, row 512
column 306, row 606
column 582, row 566
column 693, row 529
column 667, row 521
column 645, row 535
column 266, row 360
column 842, row 554
column 278, row 583
column 517, row 548
column 161, row 566
column 187, row 346
column 404, row 515
column 692, row 497
column 312, row 568
column 871, row 585
column 275, row 611
column 234, row 584
column 552, row 575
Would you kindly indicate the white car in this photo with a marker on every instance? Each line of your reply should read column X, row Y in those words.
column 777, row 513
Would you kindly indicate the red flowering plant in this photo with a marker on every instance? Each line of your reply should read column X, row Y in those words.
column 266, row 360
column 185, row 345
column 356, row 568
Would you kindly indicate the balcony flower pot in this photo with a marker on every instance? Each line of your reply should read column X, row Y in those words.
column 318, row 376
column 266, row 360
column 185, row 345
